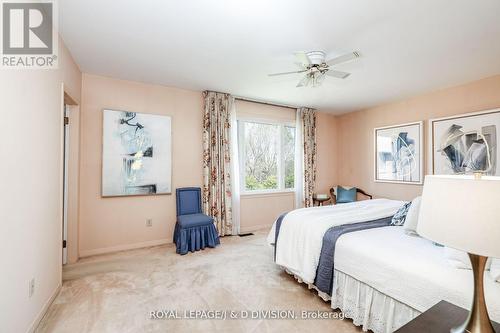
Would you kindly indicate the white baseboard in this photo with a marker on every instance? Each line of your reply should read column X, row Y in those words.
column 41, row 314
column 111, row 249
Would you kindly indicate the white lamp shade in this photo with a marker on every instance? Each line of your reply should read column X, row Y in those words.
column 462, row 212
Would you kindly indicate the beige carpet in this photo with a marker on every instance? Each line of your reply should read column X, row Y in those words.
column 117, row 292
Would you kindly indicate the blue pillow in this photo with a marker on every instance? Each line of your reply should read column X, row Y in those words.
column 400, row 216
column 346, row 195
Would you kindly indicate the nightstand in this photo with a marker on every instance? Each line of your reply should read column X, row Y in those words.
column 439, row 319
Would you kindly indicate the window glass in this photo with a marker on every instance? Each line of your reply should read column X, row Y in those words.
column 266, row 156
column 288, row 156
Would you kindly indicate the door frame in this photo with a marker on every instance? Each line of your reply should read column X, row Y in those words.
column 66, row 138
column 70, row 136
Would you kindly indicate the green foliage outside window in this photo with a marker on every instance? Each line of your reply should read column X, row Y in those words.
column 268, row 151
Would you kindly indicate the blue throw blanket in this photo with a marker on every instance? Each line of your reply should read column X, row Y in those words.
column 277, row 231
column 326, row 266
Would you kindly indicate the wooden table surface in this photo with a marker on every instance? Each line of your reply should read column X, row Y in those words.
column 320, row 201
column 439, row 319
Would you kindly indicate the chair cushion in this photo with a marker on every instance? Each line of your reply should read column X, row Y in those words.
column 345, row 195
column 194, row 220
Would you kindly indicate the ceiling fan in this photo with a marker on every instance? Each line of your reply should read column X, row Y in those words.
column 315, row 68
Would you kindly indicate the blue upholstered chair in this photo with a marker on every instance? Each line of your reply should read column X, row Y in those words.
column 194, row 230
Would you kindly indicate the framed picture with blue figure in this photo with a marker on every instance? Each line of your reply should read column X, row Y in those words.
column 136, row 154
column 465, row 144
column 399, row 153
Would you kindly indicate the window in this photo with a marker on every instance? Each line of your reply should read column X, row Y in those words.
column 266, row 156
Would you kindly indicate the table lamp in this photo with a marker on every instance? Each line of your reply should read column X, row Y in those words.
column 463, row 212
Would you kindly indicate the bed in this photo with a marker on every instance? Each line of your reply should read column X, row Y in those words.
column 384, row 278
column 380, row 277
column 301, row 231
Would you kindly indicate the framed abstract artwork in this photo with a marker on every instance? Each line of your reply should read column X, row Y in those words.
column 136, row 154
column 399, row 153
column 465, row 143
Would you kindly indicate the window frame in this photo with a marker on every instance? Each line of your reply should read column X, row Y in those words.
column 281, row 165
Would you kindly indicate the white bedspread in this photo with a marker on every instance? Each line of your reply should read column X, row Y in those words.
column 409, row 269
column 301, row 233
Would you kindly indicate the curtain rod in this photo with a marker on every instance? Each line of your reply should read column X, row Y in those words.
column 260, row 102
column 265, row 103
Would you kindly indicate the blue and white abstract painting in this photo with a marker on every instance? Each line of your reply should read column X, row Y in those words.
column 137, row 154
column 466, row 144
column 398, row 156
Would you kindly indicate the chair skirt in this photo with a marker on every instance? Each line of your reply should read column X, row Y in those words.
column 195, row 238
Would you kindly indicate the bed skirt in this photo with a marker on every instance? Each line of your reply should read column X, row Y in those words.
column 367, row 307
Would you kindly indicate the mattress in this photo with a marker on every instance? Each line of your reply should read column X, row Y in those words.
column 412, row 270
column 299, row 244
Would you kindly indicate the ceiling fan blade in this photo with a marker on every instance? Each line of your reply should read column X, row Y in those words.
column 305, row 81
column 300, row 65
column 286, row 73
column 337, row 74
column 303, row 58
column 343, row 58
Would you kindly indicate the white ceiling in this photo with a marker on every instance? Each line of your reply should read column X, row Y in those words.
column 408, row 47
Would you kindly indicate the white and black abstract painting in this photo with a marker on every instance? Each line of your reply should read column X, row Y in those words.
column 399, row 154
column 136, row 154
column 466, row 143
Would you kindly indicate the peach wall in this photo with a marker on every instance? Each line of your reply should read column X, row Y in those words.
column 327, row 150
column 355, row 130
column 259, row 211
column 345, row 156
column 31, row 104
column 264, row 112
column 110, row 224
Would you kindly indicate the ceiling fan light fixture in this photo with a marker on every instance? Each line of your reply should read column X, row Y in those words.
column 318, row 79
column 315, row 67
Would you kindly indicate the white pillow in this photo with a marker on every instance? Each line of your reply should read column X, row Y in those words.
column 460, row 260
column 411, row 221
column 495, row 269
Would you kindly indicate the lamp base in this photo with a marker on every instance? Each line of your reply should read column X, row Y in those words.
column 478, row 320
column 462, row 329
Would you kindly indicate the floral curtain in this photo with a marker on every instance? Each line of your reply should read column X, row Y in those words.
column 308, row 120
column 217, row 160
